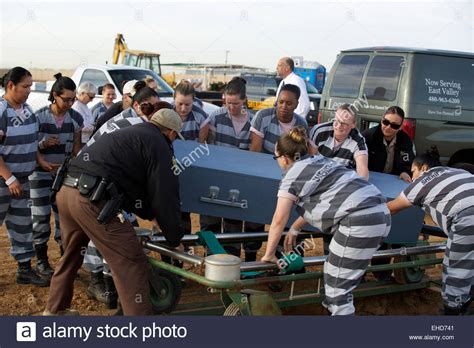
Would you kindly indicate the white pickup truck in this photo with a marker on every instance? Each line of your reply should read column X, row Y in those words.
column 102, row 74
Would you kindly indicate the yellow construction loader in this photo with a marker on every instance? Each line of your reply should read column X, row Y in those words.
column 142, row 59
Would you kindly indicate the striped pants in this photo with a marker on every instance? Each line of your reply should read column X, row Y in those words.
column 93, row 260
column 16, row 213
column 41, row 183
column 458, row 262
column 356, row 238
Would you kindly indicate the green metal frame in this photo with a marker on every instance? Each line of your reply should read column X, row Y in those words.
column 240, row 293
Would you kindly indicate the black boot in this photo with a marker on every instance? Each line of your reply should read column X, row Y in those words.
column 110, row 294
column 42, row 266
column 463, row 310
column 96, row 288
column 451, row 311
column 26, row 275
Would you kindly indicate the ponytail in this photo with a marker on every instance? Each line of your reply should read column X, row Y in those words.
column 294, row 144
column 61, row 83
column 430, row 158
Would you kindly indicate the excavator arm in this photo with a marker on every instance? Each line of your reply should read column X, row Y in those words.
column 120, row 47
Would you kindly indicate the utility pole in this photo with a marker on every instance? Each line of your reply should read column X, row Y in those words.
column 225, row 69
column 226, row 56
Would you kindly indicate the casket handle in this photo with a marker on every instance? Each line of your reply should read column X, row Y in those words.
column 232, row 201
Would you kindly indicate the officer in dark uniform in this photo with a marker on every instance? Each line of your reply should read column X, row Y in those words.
column 390, row 148
column 130, row 169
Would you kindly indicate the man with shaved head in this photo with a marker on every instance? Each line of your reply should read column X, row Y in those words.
column 285, row 69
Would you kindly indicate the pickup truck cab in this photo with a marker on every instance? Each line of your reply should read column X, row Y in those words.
column 114, row 74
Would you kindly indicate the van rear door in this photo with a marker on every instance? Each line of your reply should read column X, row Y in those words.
column 444, row 88
column 442, row 101
column 380, row 87
column 369, row 81
column 344, row 82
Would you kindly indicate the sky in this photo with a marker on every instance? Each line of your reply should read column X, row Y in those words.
column 64, row 35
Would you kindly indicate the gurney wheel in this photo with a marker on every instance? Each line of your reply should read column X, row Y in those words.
column 168, row 297
column 232, row 310
column 407, row 275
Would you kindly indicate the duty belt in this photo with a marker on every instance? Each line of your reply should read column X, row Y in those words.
column 98, row 189
column 86, row 184
column 70, row 181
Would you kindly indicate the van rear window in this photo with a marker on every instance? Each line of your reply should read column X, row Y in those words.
column 346, row 81
column 382, row 79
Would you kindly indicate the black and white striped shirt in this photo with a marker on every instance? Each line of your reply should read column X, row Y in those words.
column 442, row 192
column 126, row 118
column 354, row 145
column 326, row 192
column 19, row 138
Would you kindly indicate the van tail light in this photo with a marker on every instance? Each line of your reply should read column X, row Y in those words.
column 320, row 117
column 409, row 127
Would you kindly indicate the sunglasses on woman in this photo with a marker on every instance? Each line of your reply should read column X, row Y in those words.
column 392, row 125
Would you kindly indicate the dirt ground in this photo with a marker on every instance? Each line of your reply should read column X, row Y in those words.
column 30, row 300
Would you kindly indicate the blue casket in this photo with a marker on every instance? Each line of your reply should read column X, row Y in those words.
column 243, row 185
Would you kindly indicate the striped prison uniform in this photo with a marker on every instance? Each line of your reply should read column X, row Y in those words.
column 447, row 195
column 41, row 181
column 337, row 201
column 267, row 126
column 192, row 124
column 126, row 118
column 223, row 133
column 93, row 260
column 98, row 110
column 353, row 146
column 18, row 146
column 322, row 135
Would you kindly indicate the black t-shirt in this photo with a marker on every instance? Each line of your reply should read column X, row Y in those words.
column 139, row 160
